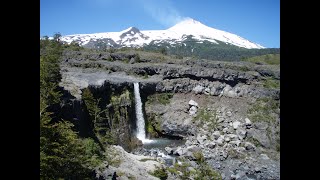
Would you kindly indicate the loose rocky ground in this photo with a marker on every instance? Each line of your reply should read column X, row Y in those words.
column 127, row 165
column 220, row 128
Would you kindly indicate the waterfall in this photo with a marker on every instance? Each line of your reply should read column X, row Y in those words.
column 141, row 129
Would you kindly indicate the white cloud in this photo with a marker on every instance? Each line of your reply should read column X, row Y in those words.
column 162, row 11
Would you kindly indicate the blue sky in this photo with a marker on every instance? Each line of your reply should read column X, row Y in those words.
column 255, row 20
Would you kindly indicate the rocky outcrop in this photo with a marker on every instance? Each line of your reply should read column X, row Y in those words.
column 234, row 145
column 193, row 107
column 215, row 88
column 127, row 165
column 201, row 77
column 119, row 120
column 208, row 107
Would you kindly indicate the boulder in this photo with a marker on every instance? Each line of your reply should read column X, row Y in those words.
column 231, row 94
column 201, row 138
column 229, row 114
column 232, row 136
column 213, row 91
column 223, row 155
column 180, row 151
column 131, row 165
column 239, row 175
column 249, row 146
column 216, row 134
column 198, row 89
column 206, row 91
column 241, row 133
column 261, row 125
column 247, row 122
column 188, row 142
column 224, row 130
column 193, row 103
column 193, row 110
column 235, row 143
column 211, row 145
column 227, row 139
column 264, row 156
column 236, row 124
column 132, row 61
column 220, row 141
column 228, row 130
column 260, row 136
column 193, row 148
column 176, row 128
column 169, row 150
column 241, row 149
column 220, row 119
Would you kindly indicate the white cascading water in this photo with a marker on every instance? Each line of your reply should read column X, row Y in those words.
column 141, row 130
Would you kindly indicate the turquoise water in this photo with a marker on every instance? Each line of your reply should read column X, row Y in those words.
column 156, row 147
column 161, row 143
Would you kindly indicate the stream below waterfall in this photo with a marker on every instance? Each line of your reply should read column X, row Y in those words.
column 152, row 147
column 156, row 148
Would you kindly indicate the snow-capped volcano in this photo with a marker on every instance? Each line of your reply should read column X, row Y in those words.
column 133, row 37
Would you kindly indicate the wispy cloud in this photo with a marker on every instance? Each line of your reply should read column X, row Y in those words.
column 162, row 11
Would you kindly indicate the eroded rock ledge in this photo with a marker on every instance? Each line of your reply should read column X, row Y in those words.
column 218, row 80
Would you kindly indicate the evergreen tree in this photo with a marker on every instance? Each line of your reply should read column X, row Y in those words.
column 62, row 153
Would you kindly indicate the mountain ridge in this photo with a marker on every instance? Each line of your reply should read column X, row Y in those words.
column 133, row 37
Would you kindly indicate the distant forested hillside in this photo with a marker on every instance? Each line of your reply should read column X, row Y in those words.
column 208, row 50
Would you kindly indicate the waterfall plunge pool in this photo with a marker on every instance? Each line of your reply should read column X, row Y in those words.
column 153, row 147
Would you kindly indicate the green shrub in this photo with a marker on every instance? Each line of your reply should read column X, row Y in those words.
column 153, row 125
column 254, row 141
column 113, row 158
column 109, row 59
column 126, row 60
column 180, row 170
column 111, row 50
column 172, row 170
column 271, row 83
column 271, row 59
column 145, row 75
column 147, row 159
column 162, row 98
column 263, row 109
column 204, row 171
column 205, row 116
column 244, row 68
column 137, row 58
column 163, row 51
column 178, row 57
column 160, row 173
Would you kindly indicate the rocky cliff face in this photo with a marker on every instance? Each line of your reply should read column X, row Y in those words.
column 226, row 110
column 115, row 122
column 233, row 141
column 235, row 79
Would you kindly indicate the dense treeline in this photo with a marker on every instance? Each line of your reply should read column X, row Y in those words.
column 63, row 154
column 271, row 59
column 208, row 50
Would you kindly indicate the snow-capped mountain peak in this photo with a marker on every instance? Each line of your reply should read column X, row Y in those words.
column 200, row 31
column 132, row 36
column 129, row 32
column 188, row 21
